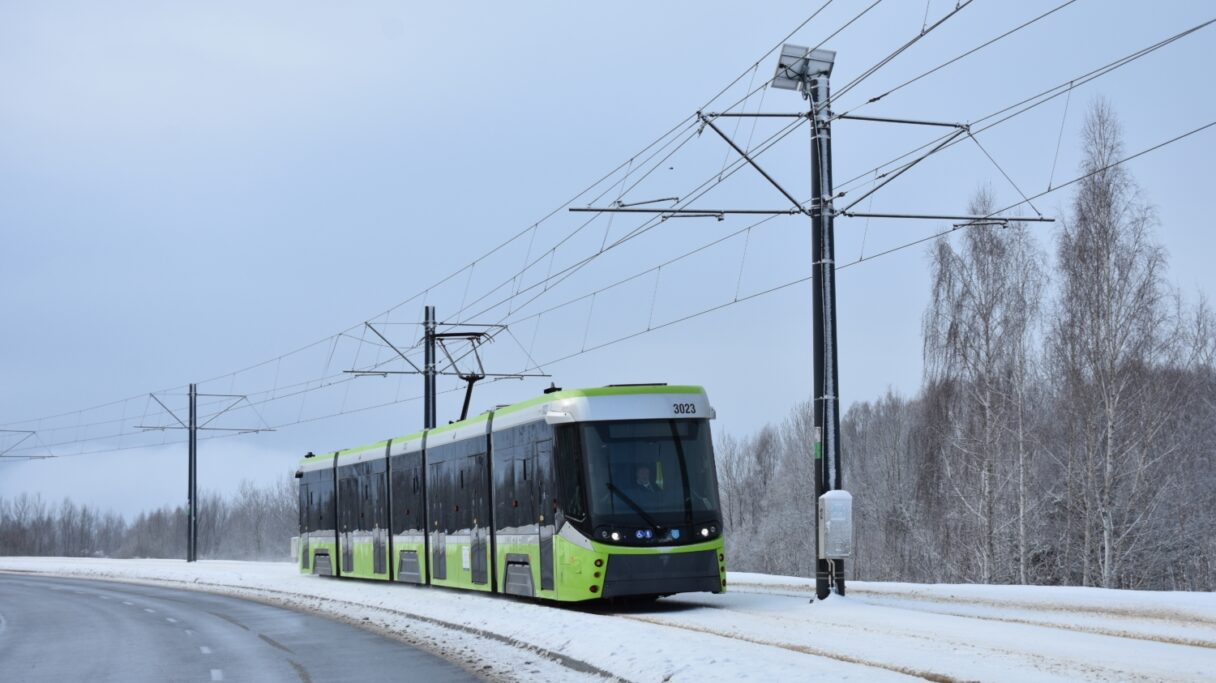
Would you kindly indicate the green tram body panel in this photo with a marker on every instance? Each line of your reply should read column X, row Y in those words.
column 363, row 510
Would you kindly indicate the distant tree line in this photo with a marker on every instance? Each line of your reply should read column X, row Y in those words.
column 1064, row 433
column 254, row 523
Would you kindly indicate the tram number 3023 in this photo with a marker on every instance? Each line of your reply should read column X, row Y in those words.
column 684, row 408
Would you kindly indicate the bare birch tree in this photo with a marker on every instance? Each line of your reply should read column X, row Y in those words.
column 1113, row 328
column 977, row 332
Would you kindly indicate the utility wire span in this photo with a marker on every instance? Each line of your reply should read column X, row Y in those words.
column 1027, row 104
column 1031, row 102
column 641, row 229
column 741, row 101
column 306, row 387
column 422, row 293
column 887, row 60
column 807, row 278
column 964, row 55
column 924, row 31
column 317, row 384
column 325, row 382
column 1044, row 193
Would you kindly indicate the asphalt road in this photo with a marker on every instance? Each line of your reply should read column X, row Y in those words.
column 75, row 630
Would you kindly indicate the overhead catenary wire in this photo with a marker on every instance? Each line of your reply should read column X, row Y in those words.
column 275, row 396
column 315, row 384
column 957, row 58
column 498, row 247
column 925, row 30
column 1044, row 193
column 807, row 278
column 1033, row 101
column 1024, row 105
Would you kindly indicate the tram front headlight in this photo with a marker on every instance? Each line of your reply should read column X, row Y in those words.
column 705, row 531
column 616, row 536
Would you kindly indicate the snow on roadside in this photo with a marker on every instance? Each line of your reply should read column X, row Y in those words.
column 765, row 628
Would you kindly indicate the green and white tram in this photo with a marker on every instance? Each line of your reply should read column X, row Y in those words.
column 575, row 495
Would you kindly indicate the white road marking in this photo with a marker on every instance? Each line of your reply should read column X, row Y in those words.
column 127, row 603
column 204, row 649
column 171, row 620
column 217, row 674
column 189, row 632
column 149, row 610
column 104, row 597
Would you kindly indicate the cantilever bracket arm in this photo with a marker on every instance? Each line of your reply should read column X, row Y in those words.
column 28, row 433
column 757, row 115
column 392, row 346
column 171, row 413
column 910, row 122
column 689, row 212
column 705, row 119
column 969, row 220
column 228, row 407
column 906, row 167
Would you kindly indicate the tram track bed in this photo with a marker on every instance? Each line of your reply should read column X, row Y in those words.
column 764, row 628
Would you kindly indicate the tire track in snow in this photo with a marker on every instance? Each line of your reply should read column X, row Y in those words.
column 801, row 649
column 1048, row 664
column 877, row 599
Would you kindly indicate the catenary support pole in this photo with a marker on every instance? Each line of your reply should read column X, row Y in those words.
column 429, row 411
column 826, row 404
column 192, row 495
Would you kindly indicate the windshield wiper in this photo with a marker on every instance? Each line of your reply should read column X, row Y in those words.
column 637, row 508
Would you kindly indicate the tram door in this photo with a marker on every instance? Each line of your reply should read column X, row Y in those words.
column 541, row 481
column 348, row 514
column 379, row 524
column 439, row 490
column 479, row 509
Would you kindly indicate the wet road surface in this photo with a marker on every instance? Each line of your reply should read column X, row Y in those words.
column 54, row 629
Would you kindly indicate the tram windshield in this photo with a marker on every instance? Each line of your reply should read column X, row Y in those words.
column 661, row 471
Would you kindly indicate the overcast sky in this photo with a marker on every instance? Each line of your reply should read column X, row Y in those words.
column 189, row 191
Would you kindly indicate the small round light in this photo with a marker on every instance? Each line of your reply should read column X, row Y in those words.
column 721, row 557
column 596, row 589
column 616, row 536
column 599, row 562
column 596, row 575
column 675, row 533
column 705, row 532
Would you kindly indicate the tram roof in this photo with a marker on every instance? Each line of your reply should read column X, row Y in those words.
column 589, row 392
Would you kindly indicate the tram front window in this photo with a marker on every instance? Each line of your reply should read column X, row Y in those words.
column 650, row 474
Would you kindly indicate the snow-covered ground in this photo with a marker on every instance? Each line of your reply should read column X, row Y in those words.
column 765, row 628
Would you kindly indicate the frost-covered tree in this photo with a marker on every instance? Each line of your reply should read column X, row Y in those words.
column 978, row 333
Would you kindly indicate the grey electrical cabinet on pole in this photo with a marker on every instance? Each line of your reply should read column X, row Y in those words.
column 835, row 525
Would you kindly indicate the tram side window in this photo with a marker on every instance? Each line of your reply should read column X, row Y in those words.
column 403, row 495
column 302, row 506
column 318, row 490
column 348, row 503
column 365, row 503
column 504, row 482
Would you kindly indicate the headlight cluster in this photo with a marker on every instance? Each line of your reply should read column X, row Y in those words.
column 651, row 536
